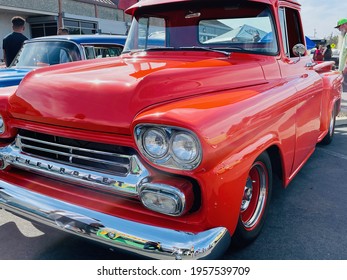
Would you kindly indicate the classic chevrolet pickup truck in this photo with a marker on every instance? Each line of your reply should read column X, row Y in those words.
column 170, row 150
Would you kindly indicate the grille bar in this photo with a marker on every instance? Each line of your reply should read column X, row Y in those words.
column 100, row 157
column 69, row 147
column 71, row 160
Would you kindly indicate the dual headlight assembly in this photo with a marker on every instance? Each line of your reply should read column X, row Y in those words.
column 174, row 148
column 169, row 147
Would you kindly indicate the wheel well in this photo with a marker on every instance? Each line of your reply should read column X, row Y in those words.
column 276, row 162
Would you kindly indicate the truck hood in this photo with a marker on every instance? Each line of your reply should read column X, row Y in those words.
column 106, row 95
column 12, row 76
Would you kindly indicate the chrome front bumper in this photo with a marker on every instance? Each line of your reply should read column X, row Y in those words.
column 149, row 241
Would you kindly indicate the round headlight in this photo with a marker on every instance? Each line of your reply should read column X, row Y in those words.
column 155, row 143
column 184, row 147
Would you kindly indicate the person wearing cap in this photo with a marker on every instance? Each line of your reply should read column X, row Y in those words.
column 63, row 31
column 342, row 27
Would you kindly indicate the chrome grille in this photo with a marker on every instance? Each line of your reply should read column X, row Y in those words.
column 105, row 158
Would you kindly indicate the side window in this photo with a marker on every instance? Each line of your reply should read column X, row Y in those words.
column 291, row 29
column 107, row 51
column 100, row 51
column 89, row 50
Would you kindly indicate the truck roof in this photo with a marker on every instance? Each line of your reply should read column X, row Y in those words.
column 145, row 3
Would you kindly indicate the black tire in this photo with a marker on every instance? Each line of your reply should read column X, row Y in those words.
column 330, row 135
column 255, row 203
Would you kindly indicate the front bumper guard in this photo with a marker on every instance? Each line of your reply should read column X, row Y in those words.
column 150, row 241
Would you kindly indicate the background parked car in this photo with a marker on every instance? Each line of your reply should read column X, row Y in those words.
column 50, row 50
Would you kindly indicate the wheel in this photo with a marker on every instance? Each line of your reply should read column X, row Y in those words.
column 330, row 135
column 255, row 201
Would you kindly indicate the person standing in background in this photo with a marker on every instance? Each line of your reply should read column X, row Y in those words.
column 13, row 42
column 318, row 53
column 63, row 31
column 327, row 53
column 342, row 27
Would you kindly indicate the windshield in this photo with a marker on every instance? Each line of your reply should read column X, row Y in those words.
column 38, row 54
column 243, row 27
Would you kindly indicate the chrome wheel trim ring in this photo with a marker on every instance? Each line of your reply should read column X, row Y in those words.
column 258, row 177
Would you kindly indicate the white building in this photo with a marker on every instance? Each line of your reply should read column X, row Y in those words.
column 79, row 16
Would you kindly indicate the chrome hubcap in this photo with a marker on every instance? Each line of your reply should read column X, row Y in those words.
column 247, row 195
column 254, row 196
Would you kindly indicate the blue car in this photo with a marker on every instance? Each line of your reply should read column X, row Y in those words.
column 50, row 50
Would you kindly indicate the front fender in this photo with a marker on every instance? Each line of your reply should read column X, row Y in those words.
column 234, row 128
column 232, row 124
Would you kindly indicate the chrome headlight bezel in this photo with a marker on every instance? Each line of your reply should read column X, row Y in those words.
column 172, row 135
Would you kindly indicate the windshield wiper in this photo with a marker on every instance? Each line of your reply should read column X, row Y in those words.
column 160, row 49
column 193, row 48
column 231, row 48
column 150, row 49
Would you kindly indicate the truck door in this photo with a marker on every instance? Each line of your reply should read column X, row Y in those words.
column 307, row 85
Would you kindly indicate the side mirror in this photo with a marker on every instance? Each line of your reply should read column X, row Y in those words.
column 299, row 50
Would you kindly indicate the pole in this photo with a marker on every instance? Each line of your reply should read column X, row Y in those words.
column 60, row 13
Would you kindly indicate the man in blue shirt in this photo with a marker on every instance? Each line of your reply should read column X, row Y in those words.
column 13, row 42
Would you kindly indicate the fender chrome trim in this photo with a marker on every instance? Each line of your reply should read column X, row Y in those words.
column 150, row 241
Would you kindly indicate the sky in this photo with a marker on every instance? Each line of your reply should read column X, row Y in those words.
column 319, row 17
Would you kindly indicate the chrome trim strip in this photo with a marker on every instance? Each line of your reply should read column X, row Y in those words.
column 150, row 241
column 126, row 166
column 125, row 185
column 69, row 152
column 20, row 144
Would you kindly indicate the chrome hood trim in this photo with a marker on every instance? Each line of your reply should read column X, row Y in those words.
column 146, row 240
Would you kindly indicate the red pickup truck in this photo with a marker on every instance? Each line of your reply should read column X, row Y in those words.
column 170, row 150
